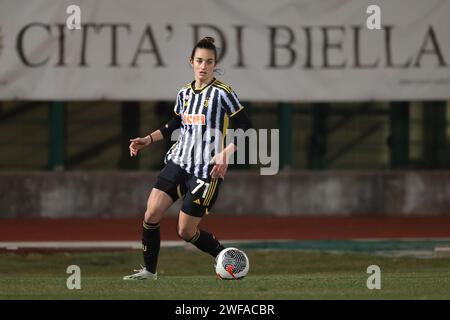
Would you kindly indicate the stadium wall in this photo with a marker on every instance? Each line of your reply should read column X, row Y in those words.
column 124, row 194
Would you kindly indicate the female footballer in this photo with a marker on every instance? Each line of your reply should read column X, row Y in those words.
column 201, row 112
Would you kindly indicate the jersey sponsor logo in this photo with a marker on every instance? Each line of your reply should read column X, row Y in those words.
column 194, row 119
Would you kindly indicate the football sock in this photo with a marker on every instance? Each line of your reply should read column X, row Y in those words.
column 207, row 242
column 151, row 242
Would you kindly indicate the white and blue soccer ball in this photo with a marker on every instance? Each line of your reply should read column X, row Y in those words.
column 232, row 264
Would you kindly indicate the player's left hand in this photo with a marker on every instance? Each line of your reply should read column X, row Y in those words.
column 220, row 167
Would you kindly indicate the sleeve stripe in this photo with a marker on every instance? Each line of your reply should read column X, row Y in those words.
column 234, row 113
column 224, row 87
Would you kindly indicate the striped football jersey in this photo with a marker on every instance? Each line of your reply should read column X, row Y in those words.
column 205, row 115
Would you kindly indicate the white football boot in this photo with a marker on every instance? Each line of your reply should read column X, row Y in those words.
column 142, row 274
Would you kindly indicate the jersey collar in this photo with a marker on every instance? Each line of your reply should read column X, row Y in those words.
column 197, row 91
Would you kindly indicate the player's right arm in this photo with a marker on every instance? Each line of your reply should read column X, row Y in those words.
column 139, row 143
column 164, row 132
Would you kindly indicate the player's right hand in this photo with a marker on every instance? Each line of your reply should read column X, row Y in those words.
column 137, row 144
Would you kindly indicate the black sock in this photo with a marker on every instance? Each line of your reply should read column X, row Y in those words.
column 151, row 242
column 207, row 242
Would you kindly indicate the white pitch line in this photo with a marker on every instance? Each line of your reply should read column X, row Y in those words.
column 80, row 244
column 16, row 245
column 442, row 251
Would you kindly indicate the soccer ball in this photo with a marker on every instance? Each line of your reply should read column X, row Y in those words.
column 232, row 264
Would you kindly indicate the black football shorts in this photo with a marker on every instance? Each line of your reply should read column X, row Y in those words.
column 198, row 194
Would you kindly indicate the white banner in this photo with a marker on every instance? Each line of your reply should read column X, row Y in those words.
column 283, row 50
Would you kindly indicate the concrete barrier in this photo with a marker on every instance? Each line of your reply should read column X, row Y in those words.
column 124, row 194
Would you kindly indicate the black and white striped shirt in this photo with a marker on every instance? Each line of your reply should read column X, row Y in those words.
column 204, row 116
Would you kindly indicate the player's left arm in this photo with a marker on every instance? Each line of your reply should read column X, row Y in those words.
column 240, row 120
column 234, row 109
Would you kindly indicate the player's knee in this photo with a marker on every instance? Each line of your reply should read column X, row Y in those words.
column 185, row 233
column 152, row 216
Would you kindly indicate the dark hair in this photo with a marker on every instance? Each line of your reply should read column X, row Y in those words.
column 205, row 43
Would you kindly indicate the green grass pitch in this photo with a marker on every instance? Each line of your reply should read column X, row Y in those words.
column 188, row 274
